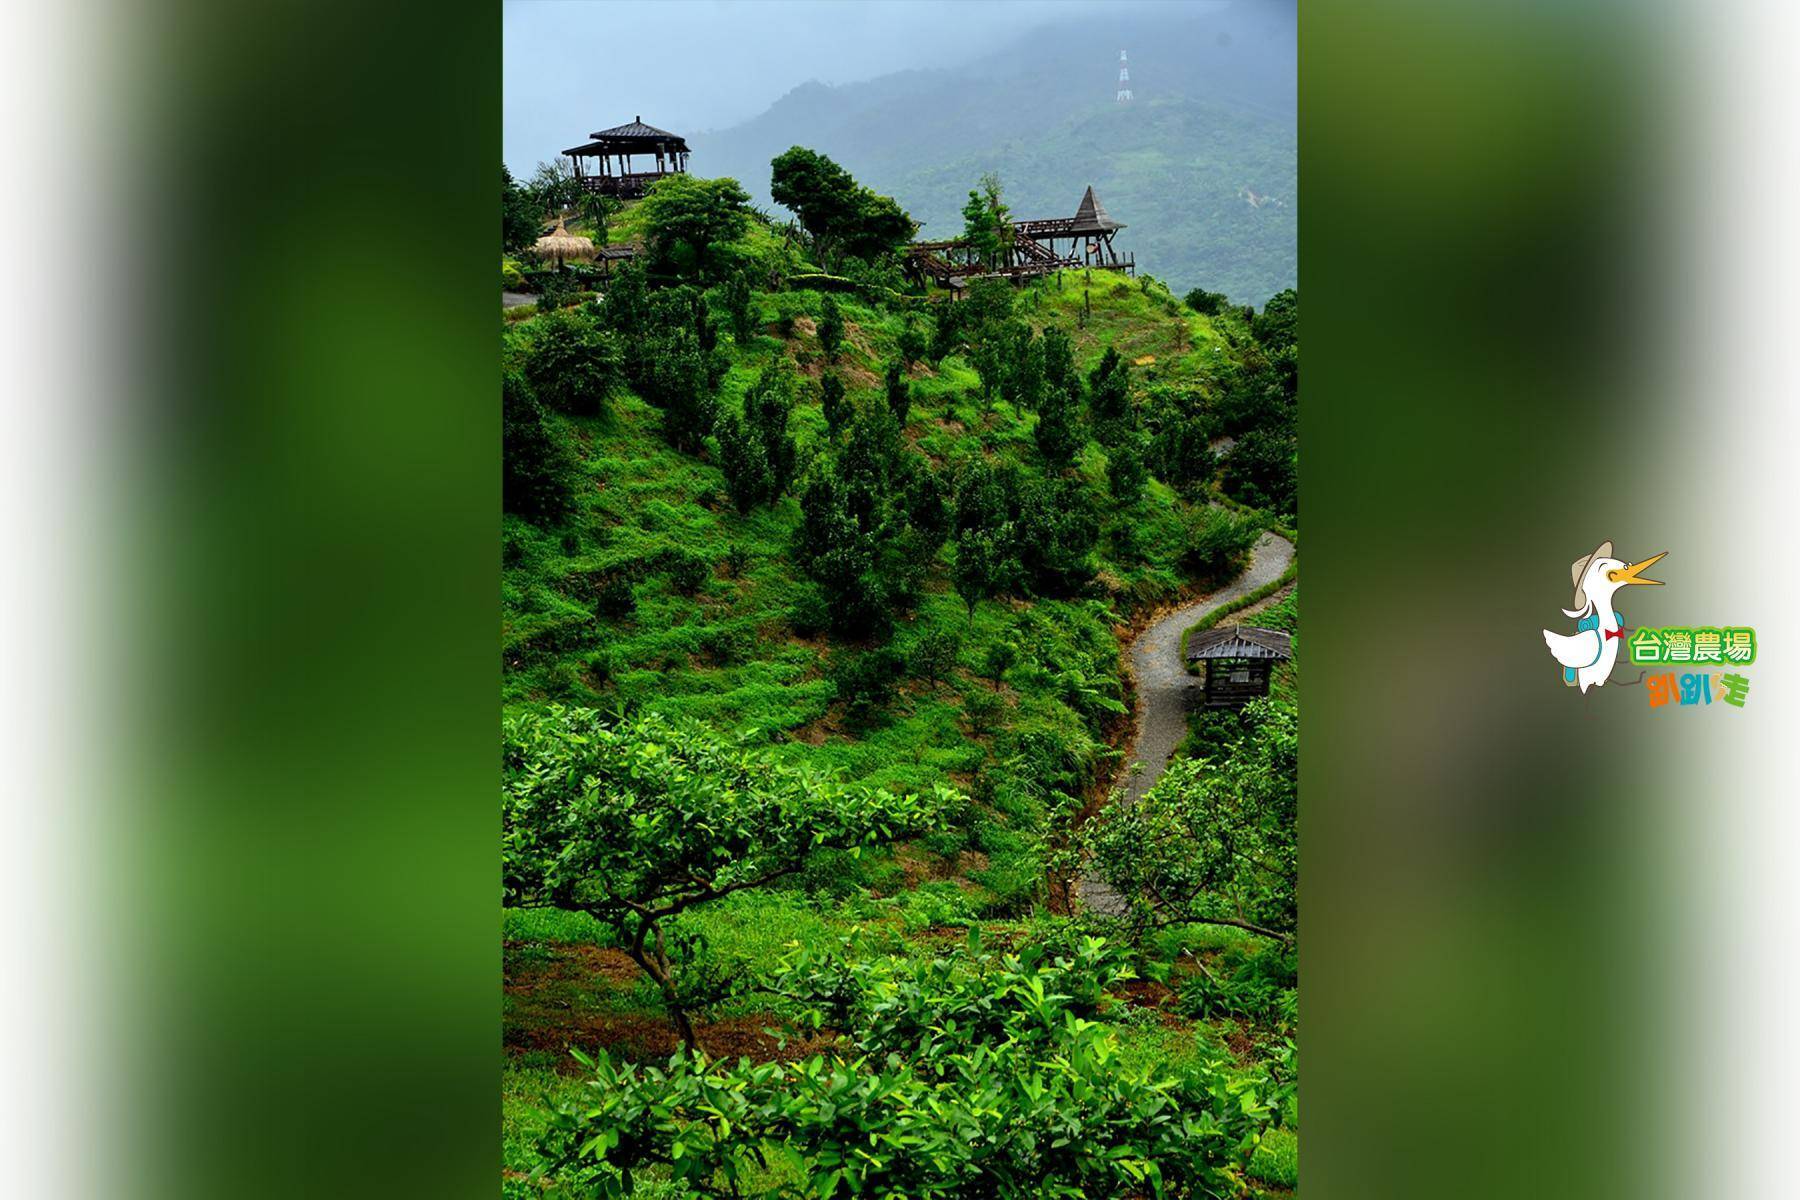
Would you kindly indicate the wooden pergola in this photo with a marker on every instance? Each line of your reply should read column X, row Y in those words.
column 604, row 165
column 1238, row 659
column 951, row 264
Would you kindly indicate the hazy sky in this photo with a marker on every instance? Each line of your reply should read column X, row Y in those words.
column 574, row 66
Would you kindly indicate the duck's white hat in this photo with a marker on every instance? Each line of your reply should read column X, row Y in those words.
column 1603, row 550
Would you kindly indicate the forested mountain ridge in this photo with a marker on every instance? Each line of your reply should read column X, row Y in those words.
column 1201, row 164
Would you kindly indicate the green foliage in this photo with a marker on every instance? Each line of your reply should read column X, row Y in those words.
column 1109, row 392
column 739, row 301
column 1209, row 304
column 913, row 342
column 757, row 453
column 1260, row 471
column 687, row 220
column 842, row 217
column 1213, row 840
column 987, row 222
column 1059, row 432
column 1126, row 473
column 899, row 394
column 520, row 218
column 537, row 466
column 635, row 820
column 1258, row 985
column 1277, row 326
column 1216, row 542
column 998, row 660
column 1056, row 531
column 572, row 363
column 831, row 328
column 972, row 1066
column 831, row 402
column 553, row 186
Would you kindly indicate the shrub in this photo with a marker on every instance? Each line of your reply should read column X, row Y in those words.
column 1217, row 542
column 863, row 681
column 913, row 342
column 1260, row 471
column 831, row 328
column 934, row 653
column 899, row 394
column 688, row 573
column 1207, row 303
column 968, row 1066
column 572, row 363
column 616, row 598
column 536, row 466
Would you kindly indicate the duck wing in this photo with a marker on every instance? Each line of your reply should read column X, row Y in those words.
column 1574, row 650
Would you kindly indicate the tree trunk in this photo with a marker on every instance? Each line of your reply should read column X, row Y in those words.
column 656, row 965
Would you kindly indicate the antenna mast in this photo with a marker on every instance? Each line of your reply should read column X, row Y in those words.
column 1124, row 78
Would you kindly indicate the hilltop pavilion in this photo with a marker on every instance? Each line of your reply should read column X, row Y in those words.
column 612, row 151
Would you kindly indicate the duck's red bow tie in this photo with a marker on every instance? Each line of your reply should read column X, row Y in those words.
column 1613, row 633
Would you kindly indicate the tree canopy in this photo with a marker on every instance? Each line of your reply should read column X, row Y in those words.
column 635, row 820
column 841, row 216
column 686, row 218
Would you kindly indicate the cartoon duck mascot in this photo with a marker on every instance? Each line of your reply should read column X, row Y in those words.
column 1587, row 657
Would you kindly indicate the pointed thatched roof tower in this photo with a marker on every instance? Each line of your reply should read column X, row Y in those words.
column 1090, row 217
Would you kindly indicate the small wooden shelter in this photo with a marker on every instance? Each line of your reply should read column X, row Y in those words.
column 1237, row 660
column 604, row 165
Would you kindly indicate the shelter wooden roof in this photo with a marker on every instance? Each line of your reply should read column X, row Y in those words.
column 1239, row 641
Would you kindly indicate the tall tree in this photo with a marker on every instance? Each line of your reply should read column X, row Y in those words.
column 520, row 218
column 840, row 215
column 831, row 328
column 831, row 402
column 687, row 218
column 899, row 393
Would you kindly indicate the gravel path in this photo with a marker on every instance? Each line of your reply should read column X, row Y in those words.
column 515, row 299
column 1164, row 688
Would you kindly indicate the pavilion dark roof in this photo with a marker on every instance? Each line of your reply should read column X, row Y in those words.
column 1239, row 641
column 636, row 129
column 1090, row 217
column 633, row 137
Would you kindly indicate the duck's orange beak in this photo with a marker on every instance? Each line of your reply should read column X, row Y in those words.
column 1630, row 574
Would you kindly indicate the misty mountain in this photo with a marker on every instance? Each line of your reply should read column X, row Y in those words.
column 1200, row 164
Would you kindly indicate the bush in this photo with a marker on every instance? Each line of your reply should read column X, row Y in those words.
column 572, row 363
column 1207, row 303
column 1260, row 471
column 968, row 1066
column 1217, row 542
column 687, row 572
column 863, row 681
column 934, row 653
column 536, row 465
column 616, row 598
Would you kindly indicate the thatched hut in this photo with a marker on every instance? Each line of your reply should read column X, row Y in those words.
column 560, row 246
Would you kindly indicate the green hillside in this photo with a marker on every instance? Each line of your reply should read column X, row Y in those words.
column 684, row 491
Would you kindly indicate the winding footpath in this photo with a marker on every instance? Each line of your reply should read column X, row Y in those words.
column 1164, row 688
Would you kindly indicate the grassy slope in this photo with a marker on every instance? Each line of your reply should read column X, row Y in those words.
column 726, row 655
